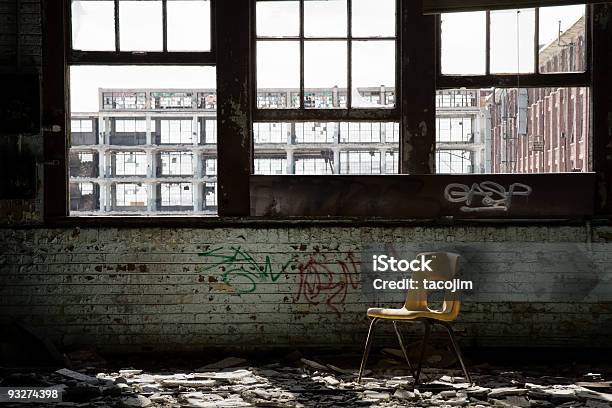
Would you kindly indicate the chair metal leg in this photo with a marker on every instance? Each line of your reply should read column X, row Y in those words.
column 366, row 350
column 451, row 334
column 423, row 346
column 401, row 342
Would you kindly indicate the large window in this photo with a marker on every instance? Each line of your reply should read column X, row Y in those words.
column 326, row 54
column 142, row 77
column 527, row 120
column 350, row 90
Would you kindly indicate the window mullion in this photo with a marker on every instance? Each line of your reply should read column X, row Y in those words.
column 536, row 42
column 117, row 40
column 302, row 105
column 234, row 122
column 349, row 57
column 165, row 25
column 418, row 63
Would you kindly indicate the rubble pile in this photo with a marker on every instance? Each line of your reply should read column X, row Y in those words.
column 235, row 382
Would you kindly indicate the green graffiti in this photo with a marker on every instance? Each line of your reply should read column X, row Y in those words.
column 239, row 267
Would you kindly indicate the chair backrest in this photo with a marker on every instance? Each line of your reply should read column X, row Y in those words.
column 445, row 266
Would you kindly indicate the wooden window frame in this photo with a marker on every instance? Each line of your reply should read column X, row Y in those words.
column 412, row 194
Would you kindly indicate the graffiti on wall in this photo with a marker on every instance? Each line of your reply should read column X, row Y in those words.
column 320, row 281
column 240, row 269
column 327, row 282
column 493, row 196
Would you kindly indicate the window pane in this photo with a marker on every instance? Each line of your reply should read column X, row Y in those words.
column 562, row 39
column 140, row 25
column 278, row 18
column 464, row 43
column 325, row 18
column 93, row 25
column 527, row 130
column 155, row 151
column 270, row 165
column 325, row 73
column 373, row 18
column 311, row 148
column 360, row 162
column 188, row 25
column 373, row 83
column 512, row 41
column 278, row 74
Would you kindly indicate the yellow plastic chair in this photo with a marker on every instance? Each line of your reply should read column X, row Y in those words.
column 445, row 266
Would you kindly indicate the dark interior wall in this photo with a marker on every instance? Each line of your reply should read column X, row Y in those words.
column 21, row 153
column 153, row 289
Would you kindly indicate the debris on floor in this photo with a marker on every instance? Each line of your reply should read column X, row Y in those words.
column 314, row 382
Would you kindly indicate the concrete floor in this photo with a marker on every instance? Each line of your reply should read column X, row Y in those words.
column 313, row 381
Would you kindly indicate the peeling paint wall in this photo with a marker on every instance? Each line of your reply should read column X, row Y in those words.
column 189, row 289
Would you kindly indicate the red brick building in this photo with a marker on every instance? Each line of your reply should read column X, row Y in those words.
column 544, row 130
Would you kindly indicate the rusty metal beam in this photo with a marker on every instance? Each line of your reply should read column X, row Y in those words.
column 418, row 89
column 511, row 81
column 601, row 92
column 54, row 112
column 503, row 196
column 234, row 142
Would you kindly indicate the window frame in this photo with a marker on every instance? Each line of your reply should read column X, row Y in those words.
column 528, row 80
column 239, row 193
column 349, row 113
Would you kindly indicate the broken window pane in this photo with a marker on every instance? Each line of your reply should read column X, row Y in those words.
column 316, row 132
column 93, row 25
column 84, row 197
column 147, row 125
column 325, row 18
column 188, row 25
column 278, row 74
column 317, row 147
column 278, row 18
column 512, row 41
column 140, row 25
column 129, row 164
column 464, row 39
column 314, row 164
column 325, row 73
column 270, row 165
column 373, row 84
column 176, row 196
column 176, row 164
column 373, row 18
column 562, row 39
column 360, row 162
column 83, row 163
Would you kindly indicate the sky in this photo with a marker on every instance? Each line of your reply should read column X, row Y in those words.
column 463, row 43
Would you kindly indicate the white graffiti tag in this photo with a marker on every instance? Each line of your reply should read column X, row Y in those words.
column 494, row 196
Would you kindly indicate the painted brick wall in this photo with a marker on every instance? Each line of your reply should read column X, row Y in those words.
column 188, row 289
column 153, row 289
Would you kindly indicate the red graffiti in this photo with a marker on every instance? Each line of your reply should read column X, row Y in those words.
column 327, row 283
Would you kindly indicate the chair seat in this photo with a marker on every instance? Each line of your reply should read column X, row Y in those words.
column 405, row 314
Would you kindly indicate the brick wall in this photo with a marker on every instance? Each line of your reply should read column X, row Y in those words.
column 153, row 289
column 189, row 289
